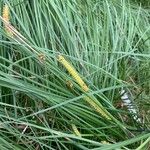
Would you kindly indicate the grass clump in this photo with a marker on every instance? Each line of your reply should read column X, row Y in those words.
column 73, row 101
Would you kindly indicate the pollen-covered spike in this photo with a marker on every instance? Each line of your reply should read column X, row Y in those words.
column 6, row 13
column 97, row 108
column 73, row 72
column 6, row 17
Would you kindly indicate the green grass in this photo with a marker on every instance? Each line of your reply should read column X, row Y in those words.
column 144, row 3
column 107, row 42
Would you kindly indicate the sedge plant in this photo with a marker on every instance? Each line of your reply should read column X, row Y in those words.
column 63, row 65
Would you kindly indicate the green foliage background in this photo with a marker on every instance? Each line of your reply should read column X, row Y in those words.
column 107, row 42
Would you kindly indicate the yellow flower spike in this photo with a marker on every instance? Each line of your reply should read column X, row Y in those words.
column 78, row 79
column 6, row 17
column 76, row 131
column 73, row 72
column 6, row 12
column 97, row 108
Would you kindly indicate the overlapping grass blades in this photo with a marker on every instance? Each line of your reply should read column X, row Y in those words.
column 108, row 45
